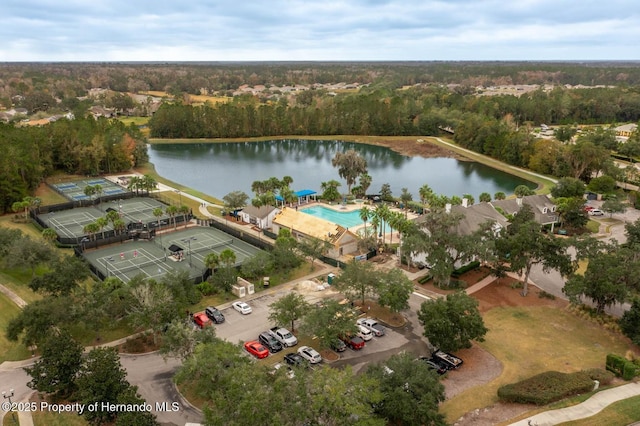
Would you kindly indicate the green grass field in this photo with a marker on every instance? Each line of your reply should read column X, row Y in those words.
column 9, row 351
column 620, row 413
column 529, row 341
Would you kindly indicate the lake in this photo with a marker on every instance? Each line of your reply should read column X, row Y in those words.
column 219, row 168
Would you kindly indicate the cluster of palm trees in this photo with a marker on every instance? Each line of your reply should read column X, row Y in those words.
column 172, row 211
column 381, row 218
column 266, row 191
column 142, row 183
column 27, row 203
column 112, row 217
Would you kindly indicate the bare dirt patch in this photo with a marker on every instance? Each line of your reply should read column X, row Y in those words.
column 415, row 148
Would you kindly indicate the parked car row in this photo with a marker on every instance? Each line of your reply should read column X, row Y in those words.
column 366, row 329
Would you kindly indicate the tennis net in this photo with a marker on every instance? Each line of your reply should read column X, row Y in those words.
column 138, row 266
column 212, row 247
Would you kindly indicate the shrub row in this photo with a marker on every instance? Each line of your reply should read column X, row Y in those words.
column 552, row 386
column 423, row 280
column 457, row 273
column 622, row 367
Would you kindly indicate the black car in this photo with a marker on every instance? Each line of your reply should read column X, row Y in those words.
column 214, row 315
column 434, row 365
column 293, row 359
column 270, row 342
column 338, row 345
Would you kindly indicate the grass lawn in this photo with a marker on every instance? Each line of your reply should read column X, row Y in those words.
column 47, row 418
column 18, row 282
column 28, row 228
column 49, row 196
column 526, row 341
column 620, row 413
column 148, row 169
column 9, row 351
column 593, row 226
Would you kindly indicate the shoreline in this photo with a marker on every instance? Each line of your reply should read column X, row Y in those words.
column 410, row 146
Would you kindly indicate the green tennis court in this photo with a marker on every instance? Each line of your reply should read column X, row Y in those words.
column 74, row 190
column 178, row 250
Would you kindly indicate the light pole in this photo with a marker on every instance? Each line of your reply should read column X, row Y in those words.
column 180, row 194
column 8, row 396
column 188, row 241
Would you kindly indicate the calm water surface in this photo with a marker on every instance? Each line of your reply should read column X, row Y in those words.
column 217, row 169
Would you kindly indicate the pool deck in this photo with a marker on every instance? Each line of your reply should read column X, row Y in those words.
column 339, row 207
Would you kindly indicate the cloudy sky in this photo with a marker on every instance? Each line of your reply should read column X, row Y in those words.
column 294, row 30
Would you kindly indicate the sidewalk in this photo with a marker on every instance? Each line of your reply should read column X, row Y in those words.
column 590, row 407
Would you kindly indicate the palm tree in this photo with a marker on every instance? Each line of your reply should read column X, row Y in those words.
column 382, row 211
column 119, row 226
column 365, row 182
column 148, row 183
column 91, row 229
column 19, row 206
column 172, row 211
column 212, row 261
column 228, row 257
column 101, row 222
column 185, row 211
column 406, row 198
column 365, row 213
column 426, row 194
column 49, row 235
column 157, row 212
column 375, row 222
column 135, row 183
column 98, row 191
column 112, row 216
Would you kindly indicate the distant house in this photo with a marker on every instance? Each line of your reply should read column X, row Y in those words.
column 624, row 132
column 98, row 111
column 543, row 208
column 303, row 225
column 262, row 216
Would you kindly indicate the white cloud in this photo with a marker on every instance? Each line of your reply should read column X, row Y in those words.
column 117, row 30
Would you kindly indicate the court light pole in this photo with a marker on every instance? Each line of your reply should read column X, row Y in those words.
column 188, row 241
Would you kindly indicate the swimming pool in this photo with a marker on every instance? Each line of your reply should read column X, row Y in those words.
column 345, row 219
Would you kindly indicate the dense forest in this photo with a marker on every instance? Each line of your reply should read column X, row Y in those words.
column 81, row 146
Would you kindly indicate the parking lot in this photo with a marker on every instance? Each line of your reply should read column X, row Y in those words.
column 240, row 328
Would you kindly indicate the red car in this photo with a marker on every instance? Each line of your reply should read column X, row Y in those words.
column 354, row 342
column 256, row 349
column 201, row 320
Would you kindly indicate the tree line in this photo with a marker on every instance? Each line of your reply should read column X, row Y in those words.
column 82, row 146
column 71, row 80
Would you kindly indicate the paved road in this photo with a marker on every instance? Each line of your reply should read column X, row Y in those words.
column 552, row 282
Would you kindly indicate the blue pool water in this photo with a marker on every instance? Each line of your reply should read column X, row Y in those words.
column 346, row 219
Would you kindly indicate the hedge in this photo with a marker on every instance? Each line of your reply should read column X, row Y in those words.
column 457, row 273
column 552, row 386
column 622, row 367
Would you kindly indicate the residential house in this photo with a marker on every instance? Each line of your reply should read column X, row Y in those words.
column 624, row 132
column 543, row 208
column 262, row 216
column 473, row 217
column 302, row 225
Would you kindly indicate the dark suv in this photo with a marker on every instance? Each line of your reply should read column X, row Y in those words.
column 270, row 342
column 214, row 315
